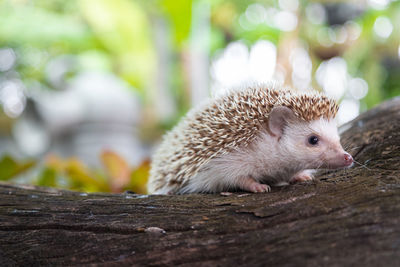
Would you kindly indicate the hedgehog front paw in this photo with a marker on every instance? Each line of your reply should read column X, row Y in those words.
column 251, row 185
column 260, row 188
column 302, row 176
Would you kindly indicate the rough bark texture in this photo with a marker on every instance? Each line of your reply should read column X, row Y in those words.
column 345, row 218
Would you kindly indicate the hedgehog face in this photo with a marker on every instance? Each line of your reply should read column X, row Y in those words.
column 309, row 145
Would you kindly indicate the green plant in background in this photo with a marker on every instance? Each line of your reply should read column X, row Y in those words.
column 120, row 37
column 116, row 176
column 10, row 168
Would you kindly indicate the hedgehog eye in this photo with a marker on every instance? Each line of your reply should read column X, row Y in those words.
column 313, row 140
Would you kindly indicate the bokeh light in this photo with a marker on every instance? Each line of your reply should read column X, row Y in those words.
column 379, row 4
column 332, row 77
column 302, row 68
column 7, row 59
column 12, row 97
column 315, row 12
column 236, row 65
column 285, row 21
column 358, row 88
column 383, row 27
column 348, row 110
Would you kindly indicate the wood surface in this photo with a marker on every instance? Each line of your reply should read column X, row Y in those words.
column 344, row 218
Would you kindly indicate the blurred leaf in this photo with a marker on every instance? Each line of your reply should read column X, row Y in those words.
column 55, row 163
column 124, row 30
column 180, row 14
column 139, row 177
column 77, row 174
column 27, row 24
column 259, row 32
column 9, row 168
column 81, row 177
column 117, row 170
column 47, row 177
column 224, row 14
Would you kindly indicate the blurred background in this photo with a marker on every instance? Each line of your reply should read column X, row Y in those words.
column 88, row 87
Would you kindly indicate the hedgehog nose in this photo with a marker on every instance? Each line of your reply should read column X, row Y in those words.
column 348, row 159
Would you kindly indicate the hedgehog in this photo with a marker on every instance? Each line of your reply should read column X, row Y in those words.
column 249, row 140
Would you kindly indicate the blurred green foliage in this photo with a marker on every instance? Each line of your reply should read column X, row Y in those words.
column 118, row 36
column 10, row 168
column 115, row 176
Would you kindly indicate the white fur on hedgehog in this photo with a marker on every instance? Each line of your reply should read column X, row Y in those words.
column 223, row 141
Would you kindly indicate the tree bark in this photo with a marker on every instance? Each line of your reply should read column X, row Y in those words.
column 343, row 218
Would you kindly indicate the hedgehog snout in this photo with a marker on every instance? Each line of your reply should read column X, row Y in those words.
column 348, row 159
column 341, row 159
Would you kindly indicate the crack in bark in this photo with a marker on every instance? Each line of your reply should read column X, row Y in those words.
column 74, row 228
column 360, row 150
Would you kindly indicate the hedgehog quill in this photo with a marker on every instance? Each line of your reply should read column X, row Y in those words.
column 249, row 140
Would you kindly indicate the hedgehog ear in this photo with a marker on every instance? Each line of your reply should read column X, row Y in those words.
column 278, row 119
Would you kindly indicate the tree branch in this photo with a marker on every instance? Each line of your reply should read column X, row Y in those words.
column 345, row 217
